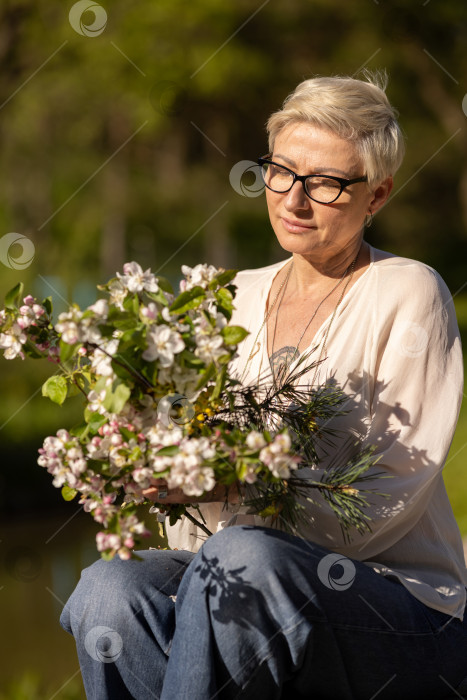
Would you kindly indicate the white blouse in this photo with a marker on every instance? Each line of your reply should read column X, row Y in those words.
column 394, row 349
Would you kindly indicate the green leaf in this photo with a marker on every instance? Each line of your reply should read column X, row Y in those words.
column 80, row 430
column 158, row 297
column 208, row 374
column 267, row 512
column 165, row 285
column 131, row 304
column 56, row 389
column 98, row 466
column 126, row 434
column 31, row 350
column 115, row 314
column 47, row 304
column 225, row 296
column 168, row 451
column 233, row 334
column 224, row 359
column 67, row 351
column 120, row 397
column 68, row 493
column 108, row 555
column 115, row 400
column 95, row 420
column 13, row 296
column 188, row 300
column 225, row 277
column 241, row 469
column 220, row 382
column 122, row 372
column 190, row 360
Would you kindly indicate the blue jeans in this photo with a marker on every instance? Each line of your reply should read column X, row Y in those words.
column 258, row 613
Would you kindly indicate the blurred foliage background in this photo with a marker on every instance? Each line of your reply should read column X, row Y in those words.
column 119, row 130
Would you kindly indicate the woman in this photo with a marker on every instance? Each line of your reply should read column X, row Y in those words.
column 260, row 613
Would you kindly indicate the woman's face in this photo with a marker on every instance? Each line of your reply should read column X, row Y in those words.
column 304, row 227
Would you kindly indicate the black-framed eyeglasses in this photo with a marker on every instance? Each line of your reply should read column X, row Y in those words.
column 324, row 189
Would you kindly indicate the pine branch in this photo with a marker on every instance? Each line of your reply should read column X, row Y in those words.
column 197, row 523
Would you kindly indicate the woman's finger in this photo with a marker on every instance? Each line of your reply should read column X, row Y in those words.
column 156, row 493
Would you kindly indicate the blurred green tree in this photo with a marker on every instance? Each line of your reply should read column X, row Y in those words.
column 120, row 145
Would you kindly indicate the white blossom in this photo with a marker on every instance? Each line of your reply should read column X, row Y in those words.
column 149, row 312
column 96, row 401
column 101, row 359
column 184, row 379
column 160, row 436
column 198, row 276
column 100, row 308
column 117, row 294
column 255, row 440
column 277, row 458
column 163, row 344
column 12, row 342
column 209, row 348
column 73, row 328
column 135, row 280
column 189, row 471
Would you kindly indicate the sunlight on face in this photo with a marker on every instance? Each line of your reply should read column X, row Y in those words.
column 305, row 227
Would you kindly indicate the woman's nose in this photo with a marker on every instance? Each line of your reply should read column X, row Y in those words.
column 296, row 198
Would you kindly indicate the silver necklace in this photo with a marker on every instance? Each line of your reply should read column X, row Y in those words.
column 350, row 269
column 256, row 346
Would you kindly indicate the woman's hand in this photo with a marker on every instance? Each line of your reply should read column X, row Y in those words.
column 159, row 493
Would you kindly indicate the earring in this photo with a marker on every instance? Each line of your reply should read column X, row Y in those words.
column 368, row 219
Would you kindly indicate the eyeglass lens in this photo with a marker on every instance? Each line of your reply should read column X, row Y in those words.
column 319, row 188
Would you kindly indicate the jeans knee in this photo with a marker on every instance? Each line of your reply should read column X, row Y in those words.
column 115, row 592
column 265, row 558
column 259, row 547
column 102, row 582
column 233, row 547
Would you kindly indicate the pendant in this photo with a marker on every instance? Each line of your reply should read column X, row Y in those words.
column 254, row 352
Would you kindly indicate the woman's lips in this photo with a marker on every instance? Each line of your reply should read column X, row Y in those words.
column 295, row 226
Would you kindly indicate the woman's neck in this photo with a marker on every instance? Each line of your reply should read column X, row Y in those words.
column 309, row 275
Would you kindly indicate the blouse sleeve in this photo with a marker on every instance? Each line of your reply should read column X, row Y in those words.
column 414, row 400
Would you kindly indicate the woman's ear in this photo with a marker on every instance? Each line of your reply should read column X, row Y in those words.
column 381, row 194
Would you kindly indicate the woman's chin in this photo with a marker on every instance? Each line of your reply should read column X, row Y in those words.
column 299, row 244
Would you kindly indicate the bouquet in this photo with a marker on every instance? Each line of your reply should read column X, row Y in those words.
column 161, row 401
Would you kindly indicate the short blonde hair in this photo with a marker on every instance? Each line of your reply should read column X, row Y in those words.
column 355, row 110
